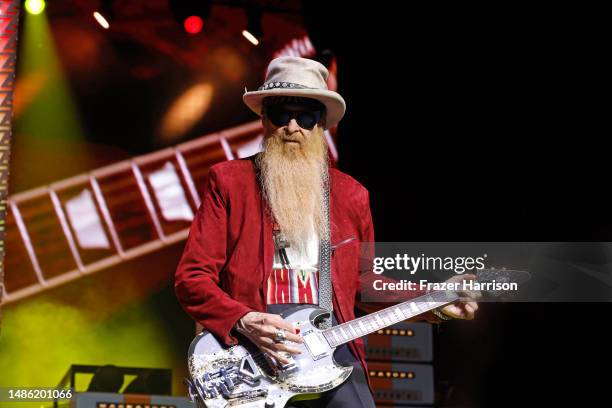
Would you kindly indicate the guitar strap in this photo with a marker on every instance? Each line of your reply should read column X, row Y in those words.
column 325, row 285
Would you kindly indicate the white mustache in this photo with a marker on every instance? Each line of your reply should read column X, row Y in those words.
column 295, row 137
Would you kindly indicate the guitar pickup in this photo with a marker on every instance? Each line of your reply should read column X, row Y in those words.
column 316, row 345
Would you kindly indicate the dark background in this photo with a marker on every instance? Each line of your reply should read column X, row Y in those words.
column 484, row 124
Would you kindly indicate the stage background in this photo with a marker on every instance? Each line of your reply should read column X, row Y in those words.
column 465, row 124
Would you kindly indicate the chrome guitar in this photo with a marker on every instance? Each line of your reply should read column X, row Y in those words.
column 242, row 376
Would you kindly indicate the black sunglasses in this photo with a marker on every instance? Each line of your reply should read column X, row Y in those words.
column 280, row 116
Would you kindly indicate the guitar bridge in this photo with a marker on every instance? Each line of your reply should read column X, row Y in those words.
column 282, row 371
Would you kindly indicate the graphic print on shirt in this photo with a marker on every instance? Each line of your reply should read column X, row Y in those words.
column 288, row 285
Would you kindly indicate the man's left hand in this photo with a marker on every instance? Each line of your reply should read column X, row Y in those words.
column 464, row 309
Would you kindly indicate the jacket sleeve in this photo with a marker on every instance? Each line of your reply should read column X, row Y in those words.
column 367, row 277
column 198, row 273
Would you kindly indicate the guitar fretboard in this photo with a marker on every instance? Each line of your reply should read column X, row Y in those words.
column 365, row 325
column 60, row 232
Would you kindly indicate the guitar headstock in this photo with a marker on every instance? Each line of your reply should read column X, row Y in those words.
column 503, row 278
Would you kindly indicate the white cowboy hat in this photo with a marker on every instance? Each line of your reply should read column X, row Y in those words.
column 294, row 76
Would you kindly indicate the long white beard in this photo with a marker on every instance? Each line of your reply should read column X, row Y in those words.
column 292, row 185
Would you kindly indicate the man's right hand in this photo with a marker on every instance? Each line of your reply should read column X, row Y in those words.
column 261, row 329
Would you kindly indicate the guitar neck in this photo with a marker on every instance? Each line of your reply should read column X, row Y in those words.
column 373, row 322
column 63, row 231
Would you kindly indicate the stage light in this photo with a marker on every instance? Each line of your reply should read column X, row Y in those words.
column 254, row 30
column 101, row 20
column 35, row 6
column 185, row 112
column 191, row 13
column 193, row 24
column 250, row 37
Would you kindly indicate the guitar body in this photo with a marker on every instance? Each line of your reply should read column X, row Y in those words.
column 240, row 376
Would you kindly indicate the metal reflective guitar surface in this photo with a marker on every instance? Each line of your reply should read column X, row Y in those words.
column 240, row 376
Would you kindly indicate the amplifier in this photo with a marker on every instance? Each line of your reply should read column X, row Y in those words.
column 112, row 400
column 401, row 383
column 403, row 342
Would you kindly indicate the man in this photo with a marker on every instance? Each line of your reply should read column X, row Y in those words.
column 253, row 249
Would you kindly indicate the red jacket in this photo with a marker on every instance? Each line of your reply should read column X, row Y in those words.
column 230, row 250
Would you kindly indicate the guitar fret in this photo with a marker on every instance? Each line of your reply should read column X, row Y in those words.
column 106, row 214
column 343, row 332
column 147, row 199
column 333, row 341
column 381, row 316
column 336, row 335
column 226, row 148
column 367, row 324
column 363, row 327
column 328, row 338
column 86, row 223
column 399, row 313
column 66, row 229
column 187, row 177
column 126, row 205
column 169, row 193
column 23, row 232
column 389, row 318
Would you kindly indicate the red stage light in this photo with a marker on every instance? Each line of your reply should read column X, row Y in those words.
column 193, row 24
